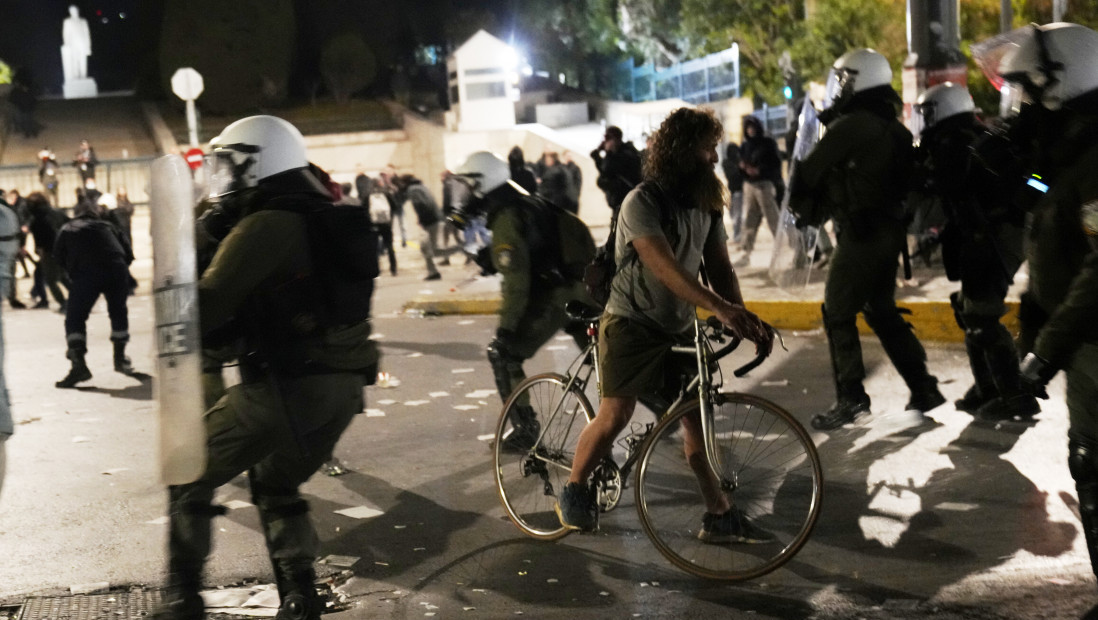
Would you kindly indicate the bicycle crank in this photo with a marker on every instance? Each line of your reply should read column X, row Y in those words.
column 607, row 483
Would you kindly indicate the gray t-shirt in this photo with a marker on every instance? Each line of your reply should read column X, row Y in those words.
column 635, row 291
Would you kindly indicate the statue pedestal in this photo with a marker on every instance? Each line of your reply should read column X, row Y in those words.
column 80, row 89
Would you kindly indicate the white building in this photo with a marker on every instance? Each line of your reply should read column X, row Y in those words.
column 483, row 80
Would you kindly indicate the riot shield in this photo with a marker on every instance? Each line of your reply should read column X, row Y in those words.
column 175, row 296
column 794, row 248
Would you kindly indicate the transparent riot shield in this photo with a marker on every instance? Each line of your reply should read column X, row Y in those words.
column 794, row 248
column 175, row 297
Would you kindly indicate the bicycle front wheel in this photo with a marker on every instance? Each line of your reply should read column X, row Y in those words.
column 769, row 471
column 529, row 478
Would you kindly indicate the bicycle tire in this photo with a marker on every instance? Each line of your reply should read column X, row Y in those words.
column 528, row 482
column 779, row 483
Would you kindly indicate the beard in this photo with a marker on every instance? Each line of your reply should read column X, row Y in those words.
column 699, row 186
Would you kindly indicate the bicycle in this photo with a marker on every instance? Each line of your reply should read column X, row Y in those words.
column 764, row 459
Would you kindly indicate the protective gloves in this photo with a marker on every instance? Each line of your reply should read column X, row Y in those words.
column 1035, row 373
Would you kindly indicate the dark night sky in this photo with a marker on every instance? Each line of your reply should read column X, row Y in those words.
column 30, row 36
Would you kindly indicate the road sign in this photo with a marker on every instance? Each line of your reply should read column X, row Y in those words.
column 194, row 158
column 187, row 84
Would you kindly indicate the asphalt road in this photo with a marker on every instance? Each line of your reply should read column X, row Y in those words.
column 948, row 519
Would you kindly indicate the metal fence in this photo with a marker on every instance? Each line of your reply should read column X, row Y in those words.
column 776, row 119
column 716, row 76
column 111, row 174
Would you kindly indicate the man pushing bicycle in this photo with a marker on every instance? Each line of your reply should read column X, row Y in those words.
column 667, row 227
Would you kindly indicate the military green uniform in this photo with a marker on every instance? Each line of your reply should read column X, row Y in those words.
column 857, row 175
column 1063, row 281
column 278, row 426
column 533, row 295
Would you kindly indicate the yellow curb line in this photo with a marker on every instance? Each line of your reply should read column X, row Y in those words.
column 932, row 320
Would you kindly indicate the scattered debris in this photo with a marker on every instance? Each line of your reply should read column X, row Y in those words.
column 386, row 380
column 233, row 504
column 438, row 394
column 359, row 512
column 334, row 467
column 480, row 394
column 415, row 403
column 486, row 437
column 775, row 383
column 116, row 470
column 415, row 354
column 458, row 371
column 375, row 413
column 466, row 407
column 90, row 588
column 158, row 521
column 79, row 439
column 340, row 561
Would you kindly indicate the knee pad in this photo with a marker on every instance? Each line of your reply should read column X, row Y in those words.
column 505, row 366
column 985, row 331
column 1083, row 462
column 886, row 322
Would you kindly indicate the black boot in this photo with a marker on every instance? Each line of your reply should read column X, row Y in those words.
column 852, row 404
column 1002, row 360
column 297, row 590
column 79, row 371
column 122, row 363
column 525, row 430
column 181, row 600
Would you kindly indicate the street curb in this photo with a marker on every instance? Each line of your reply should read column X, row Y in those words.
column 932, row 320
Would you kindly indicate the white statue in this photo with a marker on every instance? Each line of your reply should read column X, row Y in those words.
column 76, row 46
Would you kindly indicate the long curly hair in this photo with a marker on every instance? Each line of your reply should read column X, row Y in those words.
column 673, row 158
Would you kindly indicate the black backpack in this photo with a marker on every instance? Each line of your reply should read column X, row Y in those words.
column 343, row 245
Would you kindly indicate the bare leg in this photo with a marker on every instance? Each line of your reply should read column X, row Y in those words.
column 694, row 446
column 597, row 438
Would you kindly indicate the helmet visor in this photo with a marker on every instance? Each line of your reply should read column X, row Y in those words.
column 988, row 54
column 227, row 170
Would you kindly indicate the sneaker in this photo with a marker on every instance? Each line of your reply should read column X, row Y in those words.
column 434, row 276
column 925, row 400
column 732, row 527
column 576, row 508
column 973, row 399
column 522, row 437
column 1018, row 407
column 844, row 411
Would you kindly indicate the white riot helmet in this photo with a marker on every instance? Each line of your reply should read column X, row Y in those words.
column 943, row 101
column 1054, row 64
column 251, row 150
column 483, row 172
column 857, row 71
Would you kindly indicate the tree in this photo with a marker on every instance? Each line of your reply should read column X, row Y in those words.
column 579, row 38
column 347, row 65
column 243, row 49
column 839, row 26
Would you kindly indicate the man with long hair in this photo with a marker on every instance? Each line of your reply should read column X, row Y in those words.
column 666, row 227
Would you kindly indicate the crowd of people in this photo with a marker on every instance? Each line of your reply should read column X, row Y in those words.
column 301, row 380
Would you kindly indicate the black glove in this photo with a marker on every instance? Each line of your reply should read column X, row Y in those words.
column 1035, row 373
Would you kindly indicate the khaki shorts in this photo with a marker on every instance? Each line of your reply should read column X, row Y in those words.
column 635, row 360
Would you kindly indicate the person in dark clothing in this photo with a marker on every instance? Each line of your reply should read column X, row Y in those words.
column 619, row 166
column 429, row 216
column 556, row 183
column 733, row 176
column 123, row 212
column 761, row 164
column 96, row 255
column 19, row 204
column 520, row 172
column 981, row 246
column 575, row 176
column 85, row 162
column 362, row 186
column 387, row 183
column 381, row 218
column 46, row 221
column 858, row 175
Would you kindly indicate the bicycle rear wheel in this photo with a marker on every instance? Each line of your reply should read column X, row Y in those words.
column 529, row 481
column 769, row 470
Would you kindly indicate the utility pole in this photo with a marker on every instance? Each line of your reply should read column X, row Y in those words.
column 1006, row 16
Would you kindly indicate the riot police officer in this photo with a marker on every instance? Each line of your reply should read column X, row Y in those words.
column 302, row 363
column 1053, row 74
column 534, row 293
column 858, row 175
column 981, row 247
